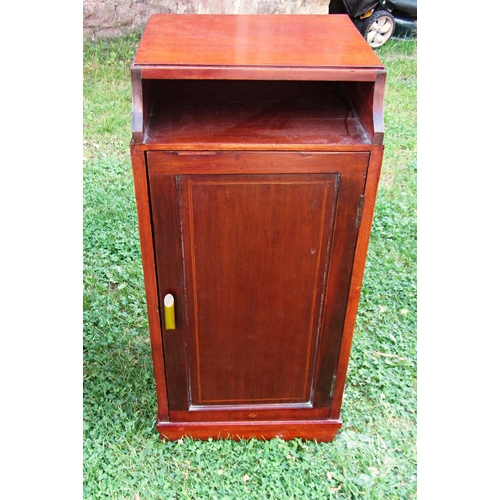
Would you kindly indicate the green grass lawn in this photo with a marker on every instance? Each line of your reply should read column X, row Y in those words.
column 374, row 455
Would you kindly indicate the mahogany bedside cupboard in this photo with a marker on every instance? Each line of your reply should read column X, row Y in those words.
column 256, row 153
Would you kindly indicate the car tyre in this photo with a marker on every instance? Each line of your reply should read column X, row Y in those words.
column 377, row 28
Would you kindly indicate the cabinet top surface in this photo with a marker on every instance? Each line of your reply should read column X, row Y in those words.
column 203, row 40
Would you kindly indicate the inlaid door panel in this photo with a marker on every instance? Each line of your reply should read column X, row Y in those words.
column 255, row 256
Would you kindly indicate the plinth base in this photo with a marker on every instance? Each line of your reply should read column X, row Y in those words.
column 319, row 430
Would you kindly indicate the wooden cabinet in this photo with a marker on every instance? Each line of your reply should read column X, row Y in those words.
column 256, row 153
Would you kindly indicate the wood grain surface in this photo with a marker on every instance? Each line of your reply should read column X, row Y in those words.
column 312, row 41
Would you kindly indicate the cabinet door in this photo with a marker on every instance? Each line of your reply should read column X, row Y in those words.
column 259, row 266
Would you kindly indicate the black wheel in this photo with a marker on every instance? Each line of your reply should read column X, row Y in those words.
column 377, row 28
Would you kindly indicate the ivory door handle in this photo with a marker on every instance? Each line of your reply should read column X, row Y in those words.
column 169, row 309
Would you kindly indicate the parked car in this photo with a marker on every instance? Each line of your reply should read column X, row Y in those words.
column 379, row 20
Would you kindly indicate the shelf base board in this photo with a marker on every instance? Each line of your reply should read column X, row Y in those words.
column 318, row 430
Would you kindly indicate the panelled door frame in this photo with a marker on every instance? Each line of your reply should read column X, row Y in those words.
column 166, row 171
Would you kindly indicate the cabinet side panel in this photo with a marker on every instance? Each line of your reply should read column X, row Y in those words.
column 357, row 275
column 361, row 97
column 168, row 245
column 336, row 298
column 367, row 98
column 148, row 264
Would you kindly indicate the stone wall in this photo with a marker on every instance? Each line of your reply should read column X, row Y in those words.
column 111, row 18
